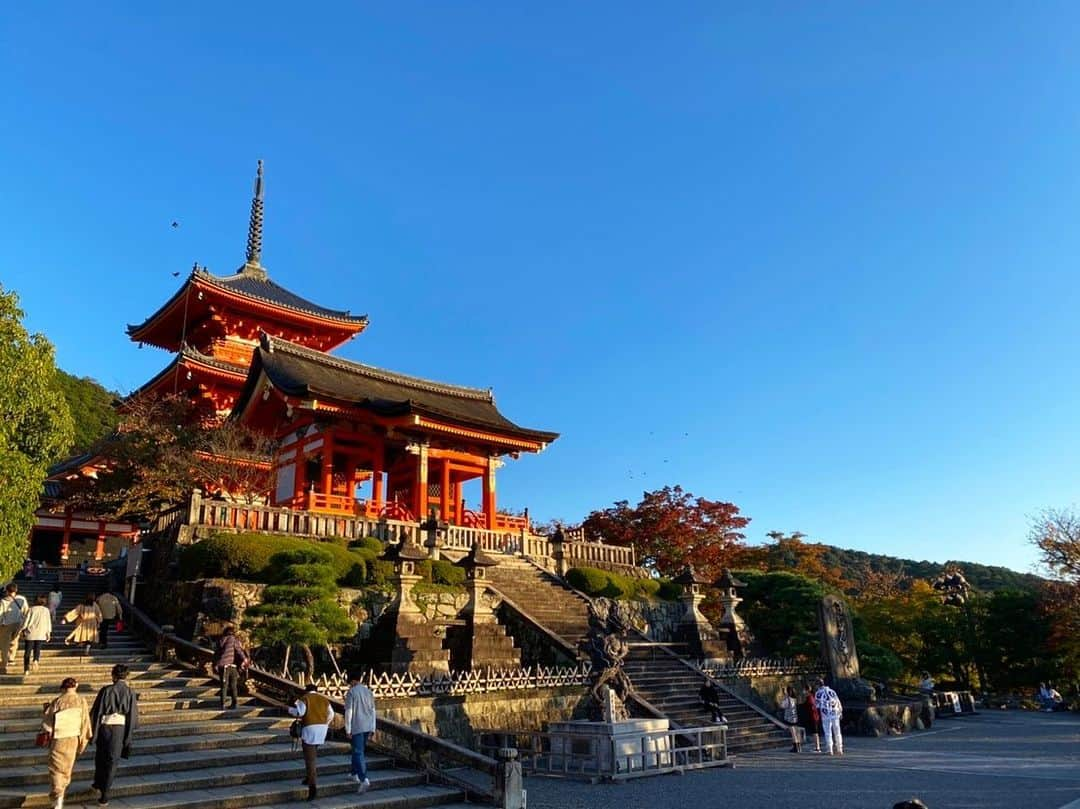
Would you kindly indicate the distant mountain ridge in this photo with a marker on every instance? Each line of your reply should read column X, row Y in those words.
column 985, row 578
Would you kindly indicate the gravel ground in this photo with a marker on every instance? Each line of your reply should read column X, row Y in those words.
column 990, row 761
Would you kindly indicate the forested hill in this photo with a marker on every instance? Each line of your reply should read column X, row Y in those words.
column 91, row 409
column 982, row 577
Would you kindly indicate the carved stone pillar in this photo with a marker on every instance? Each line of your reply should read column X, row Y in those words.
column 702, row 639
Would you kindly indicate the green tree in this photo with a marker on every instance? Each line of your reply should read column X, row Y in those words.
column 35, row 428
column 781, row 609
column 301, row 609
column 91, row 408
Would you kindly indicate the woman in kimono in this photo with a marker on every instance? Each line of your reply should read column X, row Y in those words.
column 87, row 618
column 67, row 718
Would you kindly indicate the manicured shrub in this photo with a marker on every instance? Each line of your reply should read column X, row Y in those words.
column 588, row 580
column 648, row 588
column 669, row 590
column 248, row 556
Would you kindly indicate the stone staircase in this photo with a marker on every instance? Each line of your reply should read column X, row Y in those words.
column 545, row 597
column 187, row 752
column 670, row 686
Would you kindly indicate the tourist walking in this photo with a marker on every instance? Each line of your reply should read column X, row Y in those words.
column 114, row 717
column 359, row 725
column 109, row 605
column 789, row 709
column 315, row 713
column 926, row 684
column 55, row 597
column 832, row 711
column 87, row 618
column 36, row 631
column 67, row 720
column 229, row 660
column 13, row 609
column 811, row 718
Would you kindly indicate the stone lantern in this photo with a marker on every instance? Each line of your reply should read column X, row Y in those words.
column 488, row 643
column 702, row 640
column 728, row 585
column 411, row 642
column 405, row 555
column 435, row 531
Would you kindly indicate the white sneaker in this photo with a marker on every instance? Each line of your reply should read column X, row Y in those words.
column 354, row 778
column 365, row 785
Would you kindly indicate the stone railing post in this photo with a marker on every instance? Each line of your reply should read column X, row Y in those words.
column 509, row 787
column 193, row 508
column 558, row 552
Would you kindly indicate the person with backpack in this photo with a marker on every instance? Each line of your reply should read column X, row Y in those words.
column 832, row 711
column 36, row 632
column 67, row 721
column 114, row 717
column 359, row 725
column 13, row 609
column 315, row 714
column 229, row 660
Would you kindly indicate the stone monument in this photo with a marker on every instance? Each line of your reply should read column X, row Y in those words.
column 702, row 639
column 838, row 649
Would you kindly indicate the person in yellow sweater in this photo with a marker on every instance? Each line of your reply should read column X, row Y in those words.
column 315, row 713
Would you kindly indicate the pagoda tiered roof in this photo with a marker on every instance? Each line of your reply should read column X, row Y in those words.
column 189, row 359
column 322, row 382
column 248, row 290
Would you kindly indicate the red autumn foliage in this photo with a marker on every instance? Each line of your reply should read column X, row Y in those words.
column 670, row 528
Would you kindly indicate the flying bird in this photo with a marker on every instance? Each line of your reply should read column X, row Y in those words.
column 175, row 224
column 176, row 274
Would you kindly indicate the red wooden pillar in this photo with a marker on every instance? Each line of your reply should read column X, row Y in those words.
column 377, row 464
column 300, row 477
column 420, row 493
column 444, row 491
column 65, row 543
column 489, row 493
column 328, row 464
column 459, row 504
column 99, row 550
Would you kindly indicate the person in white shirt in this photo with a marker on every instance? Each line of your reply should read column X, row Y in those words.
column 315, row 713
column 36, row 630
column 926, row 684
column 55, row 597
column 13, row 609
column 790, row 711
column 832, row 711
column 359, row 725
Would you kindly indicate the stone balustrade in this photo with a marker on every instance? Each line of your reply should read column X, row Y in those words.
column 232, row 516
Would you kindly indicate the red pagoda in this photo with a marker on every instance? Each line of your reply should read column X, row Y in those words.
column 353, row 440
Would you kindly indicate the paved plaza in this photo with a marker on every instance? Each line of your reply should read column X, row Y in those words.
column 990, row 761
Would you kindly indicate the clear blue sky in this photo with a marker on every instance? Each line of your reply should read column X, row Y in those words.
column 821, row 262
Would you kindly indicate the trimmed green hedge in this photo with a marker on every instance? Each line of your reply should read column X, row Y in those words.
column 248, row 556
column 441, row 572
column 595, row 582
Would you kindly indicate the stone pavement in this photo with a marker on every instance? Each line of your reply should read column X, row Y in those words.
column 990, row 761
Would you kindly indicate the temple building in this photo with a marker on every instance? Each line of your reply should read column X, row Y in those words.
column 352, row 439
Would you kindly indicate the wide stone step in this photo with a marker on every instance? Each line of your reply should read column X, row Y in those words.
column 152, row 719
column 151, row 746
column 207, row 701
column 165, row 788
column 184, row 761
column 140, row 682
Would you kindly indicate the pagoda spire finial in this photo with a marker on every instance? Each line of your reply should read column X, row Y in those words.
column 255, row 225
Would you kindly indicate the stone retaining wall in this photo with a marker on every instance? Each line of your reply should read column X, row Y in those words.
column 458, row 718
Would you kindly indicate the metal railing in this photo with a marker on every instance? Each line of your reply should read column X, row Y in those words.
column 482, row 777
column 616, row 758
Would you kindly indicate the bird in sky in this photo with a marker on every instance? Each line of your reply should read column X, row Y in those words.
column 175, row 224
column 176, row 274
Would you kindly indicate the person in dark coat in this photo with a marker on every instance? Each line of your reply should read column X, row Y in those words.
column 710, row 700
column 231, row 658
column 114, row 717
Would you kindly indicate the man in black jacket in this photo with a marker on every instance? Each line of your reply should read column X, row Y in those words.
column 114, row 718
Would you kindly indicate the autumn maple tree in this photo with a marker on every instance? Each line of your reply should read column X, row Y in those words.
column 671, row 528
